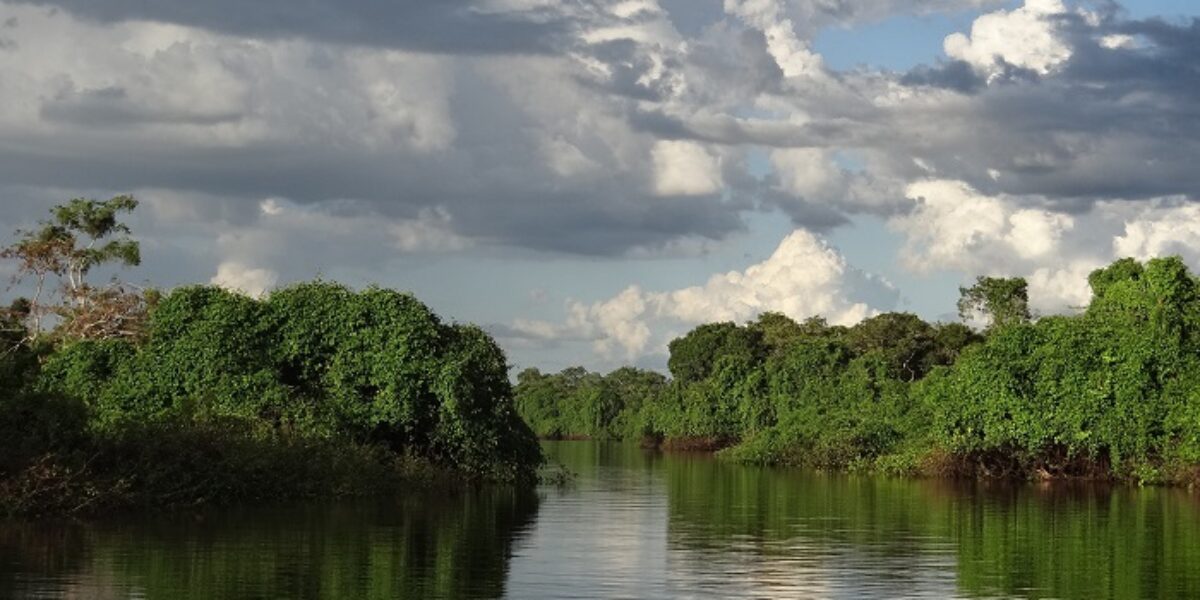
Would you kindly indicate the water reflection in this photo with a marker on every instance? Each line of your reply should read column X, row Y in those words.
column 423, row 545
column 845, row 536
column 640, row 524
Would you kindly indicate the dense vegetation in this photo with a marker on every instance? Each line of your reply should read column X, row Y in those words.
column 1110, row 392
column 203, row 394
column 579, row 404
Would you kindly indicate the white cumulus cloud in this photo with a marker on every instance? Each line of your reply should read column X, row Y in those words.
column 804, row 277
column 238, row 277
column 953, row 226
column 1162, row 232
column 1024, row 37
column 685, row 169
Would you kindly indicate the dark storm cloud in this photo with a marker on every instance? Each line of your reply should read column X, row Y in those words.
column 594, row 219
column 812, row 214
column 451, row 26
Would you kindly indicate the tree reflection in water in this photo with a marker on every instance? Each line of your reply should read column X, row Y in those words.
column 425, row 544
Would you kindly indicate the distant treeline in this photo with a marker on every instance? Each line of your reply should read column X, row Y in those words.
column 112, row 396
column 1111, row 392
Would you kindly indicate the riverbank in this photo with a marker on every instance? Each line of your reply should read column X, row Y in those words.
column 169, row 468
column 935, row 464
column 317, row 391
column 1111, row 393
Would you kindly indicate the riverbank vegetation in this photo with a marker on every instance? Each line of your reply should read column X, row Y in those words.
column 1112, row 392
column 112, row 396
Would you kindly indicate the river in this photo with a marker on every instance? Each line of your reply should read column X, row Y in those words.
column 639, row 524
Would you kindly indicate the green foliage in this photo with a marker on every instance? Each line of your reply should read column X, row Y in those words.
column 1114, row 388
column 96, row 221
column 950, row 339
column 694, row 355
column 312, row 362
column 17, row 359
column 1003, row 301
column 904, row 342
column 81, row 235
column 576, row 403
column 188, row 462
column 1111, row 392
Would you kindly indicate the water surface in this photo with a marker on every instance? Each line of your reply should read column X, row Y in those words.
column 639, row 524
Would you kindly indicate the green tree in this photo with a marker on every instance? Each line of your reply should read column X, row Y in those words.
column 80, row 236
column 694, row 355
column 905, row 343
column 950, row 340
column 1002, row 301
column 778, row 330
column 17, row 360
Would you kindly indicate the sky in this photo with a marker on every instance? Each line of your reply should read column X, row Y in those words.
column 588, row 179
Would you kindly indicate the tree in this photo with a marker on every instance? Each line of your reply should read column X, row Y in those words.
column 778, row 330
column 903, row 340
column 81, row 235
column 16, row 359
column 1002, row 300
column 951, row 339
column 693, row 355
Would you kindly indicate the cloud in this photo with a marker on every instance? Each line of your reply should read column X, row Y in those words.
column 1024, row 38
column 1162, row 232
column 238, row 277
column 955, row 227
column 1061, row 288
column 1065, row 114
column 629, row 136
column 431, row 231
column 486, row 141
column 450, row 26
column 1047, row 139
column 803, row 277
column 793, row 54
column 685, row 169
column 808, row 172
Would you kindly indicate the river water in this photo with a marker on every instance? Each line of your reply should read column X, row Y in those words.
column 639, row 524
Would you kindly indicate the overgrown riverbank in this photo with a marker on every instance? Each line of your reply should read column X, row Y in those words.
column 1110, row 393
column 317, row 391
column 114, row 398
column 189, row 465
